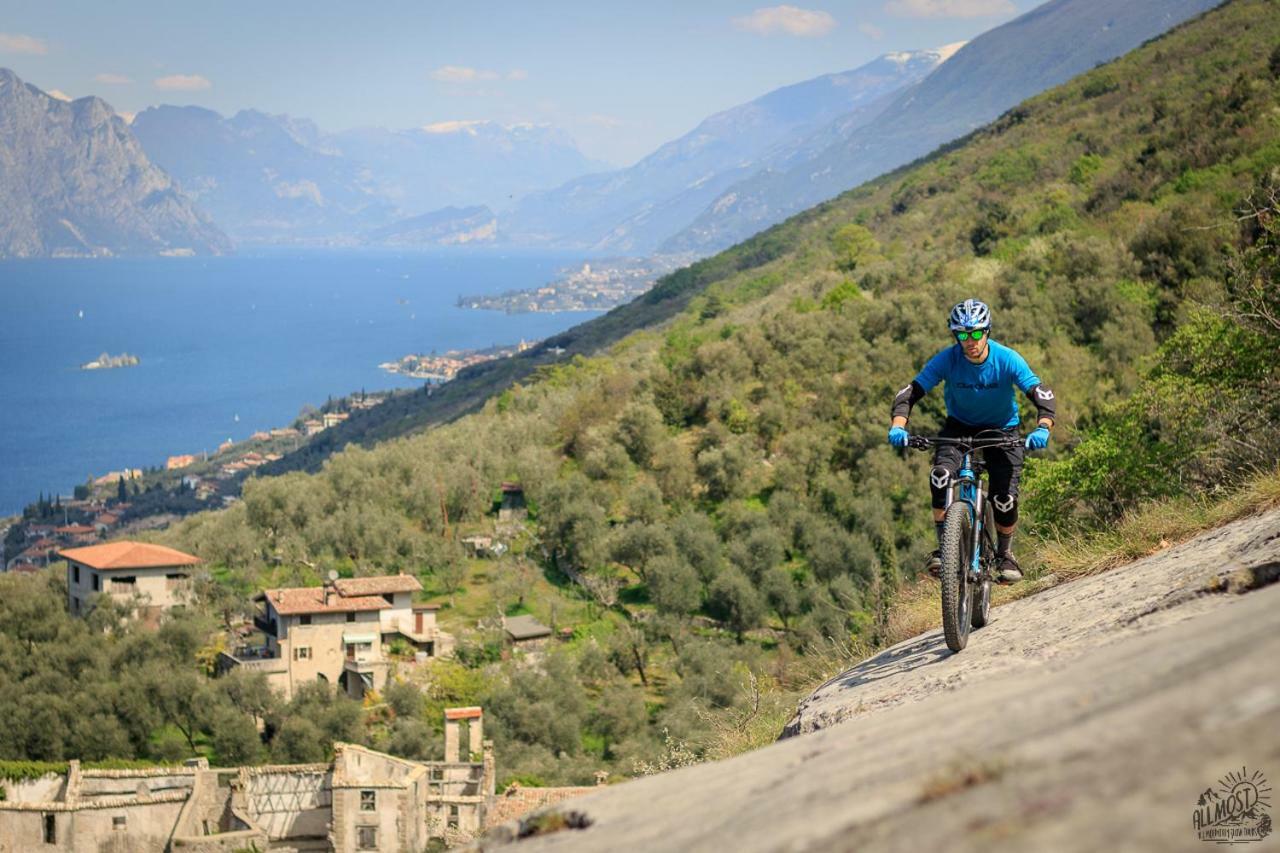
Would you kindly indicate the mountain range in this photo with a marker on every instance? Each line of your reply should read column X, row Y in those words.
column 75, row 179
column 1038, row 50
column 277, row 179
column 75, row 182
column 632, row 210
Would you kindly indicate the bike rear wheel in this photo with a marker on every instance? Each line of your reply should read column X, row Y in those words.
column 957, row 591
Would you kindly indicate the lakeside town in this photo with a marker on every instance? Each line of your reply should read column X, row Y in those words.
column 598, row 286
column 438, row 369
column 132, row 500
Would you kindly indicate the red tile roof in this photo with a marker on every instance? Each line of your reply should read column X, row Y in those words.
column 377, row 585
column 126, row 554
column 469, row 713
column 291, row 602
column 74, row 529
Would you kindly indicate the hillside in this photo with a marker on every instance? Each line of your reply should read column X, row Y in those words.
column 1089, row 717
column 719, row 482
column 1042, row 48
column 75, row 182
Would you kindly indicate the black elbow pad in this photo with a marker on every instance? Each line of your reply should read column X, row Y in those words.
column 1046, row 405
column 905, row 399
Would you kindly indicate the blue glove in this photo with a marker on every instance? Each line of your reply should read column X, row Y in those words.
column 898, row 437
column 1039, row 439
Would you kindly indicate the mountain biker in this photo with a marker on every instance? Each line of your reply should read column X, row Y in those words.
column 979, row 374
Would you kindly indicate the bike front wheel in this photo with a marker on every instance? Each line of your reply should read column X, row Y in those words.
column 957, row 591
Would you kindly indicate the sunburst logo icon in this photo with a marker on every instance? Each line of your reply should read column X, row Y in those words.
column 1236, row 811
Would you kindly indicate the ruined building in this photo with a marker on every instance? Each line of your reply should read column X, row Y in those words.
column 362, row 801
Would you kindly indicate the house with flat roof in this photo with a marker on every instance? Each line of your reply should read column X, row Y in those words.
column 152, row 578
column 525, row 632
column 339, row 633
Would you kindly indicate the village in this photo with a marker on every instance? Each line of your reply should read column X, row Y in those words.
column 599, row 287
column 354, row 634
column 443, row 368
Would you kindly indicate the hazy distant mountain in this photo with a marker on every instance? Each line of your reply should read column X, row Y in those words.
column 633, row 209
column 464, row 162
column 75, row 181
column 452, row 226
column 278, row 179
column 992, row 73
column 263, row 178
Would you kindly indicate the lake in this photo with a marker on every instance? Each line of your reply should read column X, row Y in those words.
column 228, row 346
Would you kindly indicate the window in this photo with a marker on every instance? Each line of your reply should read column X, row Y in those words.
column 351, row 617
column 174, row 581
column 97, row 583
column 75, row 574
column 302, row 653
column 368, row 801
column 305, row 619
column 119, row 822
column 128, row 583
column 50, row 830
column 453, row 817
column 366, row 838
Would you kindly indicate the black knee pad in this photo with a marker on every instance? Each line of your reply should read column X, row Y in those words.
column 1005, row 509
column 939, row 483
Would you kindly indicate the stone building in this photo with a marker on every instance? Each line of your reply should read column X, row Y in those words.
column 362, row 801
column 339, row 633
column 153, row 577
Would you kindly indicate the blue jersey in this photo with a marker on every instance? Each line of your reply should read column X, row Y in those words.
column 980, row 395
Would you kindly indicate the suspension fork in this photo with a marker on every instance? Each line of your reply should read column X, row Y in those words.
column 970, row 491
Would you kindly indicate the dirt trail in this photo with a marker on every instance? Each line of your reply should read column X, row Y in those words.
column 1088, row 717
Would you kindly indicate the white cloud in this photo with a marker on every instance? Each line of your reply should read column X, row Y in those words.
column 14, row 43
column 871, row 31
column 787, row 19
column 112, row 79
column 58, row 94
column 183, row 83
column 517, row 74
column 462, row 74
column 949, row 8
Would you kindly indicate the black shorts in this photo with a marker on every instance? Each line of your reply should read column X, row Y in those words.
column 1004, row 464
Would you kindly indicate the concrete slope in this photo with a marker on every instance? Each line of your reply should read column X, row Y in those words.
column 1089, row 717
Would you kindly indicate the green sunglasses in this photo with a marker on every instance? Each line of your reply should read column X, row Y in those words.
column 976, row 334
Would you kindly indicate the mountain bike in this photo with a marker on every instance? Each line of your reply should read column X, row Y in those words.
column 968, row 544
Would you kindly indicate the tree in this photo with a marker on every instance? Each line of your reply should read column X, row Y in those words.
column 122, row 492
column 619, row 713
column 854, row 245
column 674, row 586
column 733, row 600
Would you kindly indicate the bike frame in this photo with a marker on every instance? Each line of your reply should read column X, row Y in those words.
column 967, row 489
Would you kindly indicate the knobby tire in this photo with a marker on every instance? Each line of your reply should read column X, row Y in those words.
column 957, row 540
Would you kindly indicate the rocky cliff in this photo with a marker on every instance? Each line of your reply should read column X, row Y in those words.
column 75, row 182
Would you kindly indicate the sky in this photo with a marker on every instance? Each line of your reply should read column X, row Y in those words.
column 621, row 79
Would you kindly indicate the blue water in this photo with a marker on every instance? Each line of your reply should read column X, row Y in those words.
column 254, row 337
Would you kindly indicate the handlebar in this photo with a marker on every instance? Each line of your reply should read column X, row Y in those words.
column 976, row 442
